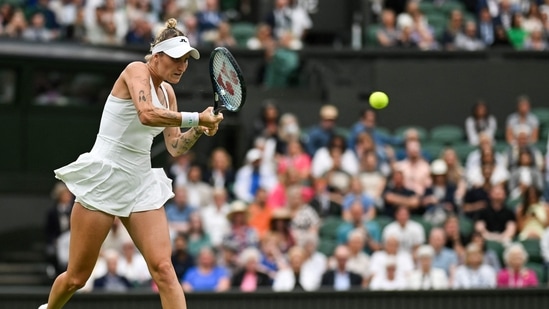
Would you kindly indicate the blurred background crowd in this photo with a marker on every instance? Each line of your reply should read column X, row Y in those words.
column 413, row 24
column 349, row 207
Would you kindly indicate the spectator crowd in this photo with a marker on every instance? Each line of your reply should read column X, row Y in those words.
column 425, row 25
column 331, row 207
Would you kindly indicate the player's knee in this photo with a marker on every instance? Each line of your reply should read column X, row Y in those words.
column 76, row 282
column 163, row 270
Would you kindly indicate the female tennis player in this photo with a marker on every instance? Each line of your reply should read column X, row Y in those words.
column 116, row 179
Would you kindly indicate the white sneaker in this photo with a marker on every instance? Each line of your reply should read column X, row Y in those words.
column 44, row 306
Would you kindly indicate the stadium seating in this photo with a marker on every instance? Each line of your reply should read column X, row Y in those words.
column 462, row 150
column 242, row 32
column 534, row 251
column 447, row 134
column 432, row 148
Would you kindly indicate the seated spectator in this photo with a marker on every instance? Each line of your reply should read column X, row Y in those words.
column 468, row 39
column 316, row 262
column 356, row 195
column 334, row 156
column 485, row 144
column 455, row 238
column 280, row 18
column 415, row 169
column 372, row 177
column 455, row 173
column 321, row 134
column 250, row 278
column 481, row 121
column 262, row 38
column 516, row 274
column 214, row 217
column 132, row 265
column 522, row 144
column 477, row 197
column 209, row 20
column 181, row 259
column 197, row 237
column 241, row 233
column 278, row 196
column 516, row 33
column 409, row 233
column 397, row 195
column 498, row 175
column 289, row 130
column 140, row 32
column 525, row 174
column 365, row 144
column 179, row 169
column 37, row 30
column 532, row 215
column 358, row 221
column 474, row 274
column 388, row 279
column 227, row 257
column 439, row 199
column 521, row 120
column 16, row 25
column 536, row 40
column 253, row 175
column 206, row 276
column 387, row 35
column 442, row 257
column 199, row 192
column 427, row 276
column 455, row 26
column 224, row 37
column 304, row 218
column 260, row 214
column 341, row 278
column 367, row 124
column 390, row 249
column 326, row 201
column 496, row 222
column 491, row 257
column 280, row 230
column 111, row 281
column 501, row 38
column 292, row 276
column 296, row 158
column 179, row 210
column 486, row 29
column 358, row 261
column 220, row 172
column 271, row 256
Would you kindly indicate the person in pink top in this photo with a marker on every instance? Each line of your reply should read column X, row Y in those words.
column 277, row 196
column 295, row 157
column 415, row 169
column 516, row 275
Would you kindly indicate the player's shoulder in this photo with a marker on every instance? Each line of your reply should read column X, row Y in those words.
column 136, row 66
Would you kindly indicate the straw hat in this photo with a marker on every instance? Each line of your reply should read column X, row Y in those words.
column 237, row 206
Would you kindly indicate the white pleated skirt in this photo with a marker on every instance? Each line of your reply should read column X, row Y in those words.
column 116, row 180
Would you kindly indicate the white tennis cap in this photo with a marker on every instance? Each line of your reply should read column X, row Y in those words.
column 176, row 47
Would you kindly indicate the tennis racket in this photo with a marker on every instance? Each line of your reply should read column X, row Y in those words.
column 228, row 83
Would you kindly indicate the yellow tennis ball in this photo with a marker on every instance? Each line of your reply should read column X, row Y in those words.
column 379, row 100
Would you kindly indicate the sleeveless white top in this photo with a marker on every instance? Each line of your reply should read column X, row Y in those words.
column 116, row 175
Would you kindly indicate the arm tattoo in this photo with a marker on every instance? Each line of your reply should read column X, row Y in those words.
column 142, row 97
column 187, row 141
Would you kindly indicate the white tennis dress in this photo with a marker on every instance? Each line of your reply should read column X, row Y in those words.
column 116, row 175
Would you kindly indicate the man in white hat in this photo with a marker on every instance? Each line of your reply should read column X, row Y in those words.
column 252, row 176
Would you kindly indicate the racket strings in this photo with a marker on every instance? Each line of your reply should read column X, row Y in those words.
column 227, row 78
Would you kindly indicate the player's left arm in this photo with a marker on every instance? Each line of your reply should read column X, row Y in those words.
column 178, row 142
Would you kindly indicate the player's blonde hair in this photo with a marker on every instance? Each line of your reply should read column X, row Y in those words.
column 167, row 32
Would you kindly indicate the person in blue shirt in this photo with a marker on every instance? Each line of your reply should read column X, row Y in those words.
column 206, row 276
column 367, row 123
column 357, row 220
column 178, row 211
column 320, row 135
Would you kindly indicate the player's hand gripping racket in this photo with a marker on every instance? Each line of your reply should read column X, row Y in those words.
column 227, row 81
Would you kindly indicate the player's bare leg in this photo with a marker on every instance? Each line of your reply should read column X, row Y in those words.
column 88, row 231
column 149, row 231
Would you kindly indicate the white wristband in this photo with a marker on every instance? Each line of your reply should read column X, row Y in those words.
column 189, row 120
